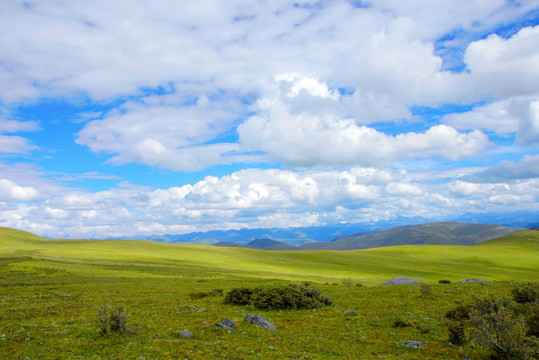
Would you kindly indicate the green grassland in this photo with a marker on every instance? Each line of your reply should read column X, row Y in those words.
column 51, row 291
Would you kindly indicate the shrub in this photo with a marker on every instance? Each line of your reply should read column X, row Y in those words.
column 426, row 290
column 198, row 294
column 278, row 296
column 458, row 313
column 444, row 281
column 112, row 321
column 533, row 323
column 239, row 296
column 526, row 293
column 500, row 331
column 400, row 323
column 457, row 335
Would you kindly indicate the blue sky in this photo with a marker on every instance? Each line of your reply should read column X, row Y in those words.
column 135, row 117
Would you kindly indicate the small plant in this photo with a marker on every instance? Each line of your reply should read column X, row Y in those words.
column 400, row 323
column 426, row 290
column 112, row 321
column 198, row 294
column 444, row 281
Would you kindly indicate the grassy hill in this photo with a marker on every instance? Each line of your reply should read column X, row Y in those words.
column 51, row 293
column 441, row 233
column 513, row 257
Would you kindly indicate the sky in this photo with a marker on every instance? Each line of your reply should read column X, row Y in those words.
column 130, row 117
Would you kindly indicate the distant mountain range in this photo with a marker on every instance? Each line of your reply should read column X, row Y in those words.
column 260, row 244
column 303, row 235
column 441, row 233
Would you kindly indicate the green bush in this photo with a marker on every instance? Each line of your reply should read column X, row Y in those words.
column 112, row 321
column 527, row 293
column 458, row 313
column 400, row 323
column 444, row 281
column 533, row 322
column 239, row 296
column 278, row 297
column 501, row 332
column 457, row 334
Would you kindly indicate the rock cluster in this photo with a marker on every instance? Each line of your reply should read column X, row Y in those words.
column 401, row 280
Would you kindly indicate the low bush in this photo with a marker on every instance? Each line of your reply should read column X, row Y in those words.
column 533, row 323
column 457, row 333
column 112, row 321
column 198, row 294
column 278, row 297
column 400, row 323
column 239, row 296
column 444, row 281
column 458, row 313
column 498, row 324
column 425, row 290
column 527, row 293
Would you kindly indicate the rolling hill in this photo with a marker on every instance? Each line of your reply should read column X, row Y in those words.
column 441, row 233
column 514, row 257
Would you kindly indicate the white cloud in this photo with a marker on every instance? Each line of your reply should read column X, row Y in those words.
column 165, row 134
column 525, row 168
column 286, row 129
column 10, row 191
column 502, row 67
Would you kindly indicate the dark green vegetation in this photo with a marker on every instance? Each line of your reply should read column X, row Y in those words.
column 53, row 294
column 279, row 297
column 507, row 327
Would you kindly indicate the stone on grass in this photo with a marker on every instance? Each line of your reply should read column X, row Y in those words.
column 413, row 343
column 228, row 323
column 224, row 326
column 186, row 334
column 466, row 281
column 401, row 280
column 260, row 321
column 349, row 313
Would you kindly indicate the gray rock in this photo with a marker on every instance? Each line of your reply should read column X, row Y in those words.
column 205, row 322
column 413, row 343
column 228, row 323
column 401, row 280
column 186, row 333
column 221, row 325
column 466, row 281
column 349, row 313
column 260, row 321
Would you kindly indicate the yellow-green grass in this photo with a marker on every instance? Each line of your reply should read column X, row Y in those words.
column 51, row 291
column 514, row 257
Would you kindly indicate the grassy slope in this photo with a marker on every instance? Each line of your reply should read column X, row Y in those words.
column 512, row 257
column 51, row 290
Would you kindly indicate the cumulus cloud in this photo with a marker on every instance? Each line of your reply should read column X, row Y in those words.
column 505, row 67
column 165, row 133
column 287, row 129
column 10, row 191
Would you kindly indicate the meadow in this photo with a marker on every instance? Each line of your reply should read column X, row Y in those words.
column 52, row 290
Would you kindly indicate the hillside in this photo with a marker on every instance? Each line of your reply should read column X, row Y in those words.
column 441, row 233
column 513, row 257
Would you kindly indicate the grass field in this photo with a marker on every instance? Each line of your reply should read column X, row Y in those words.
column 51, row 291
